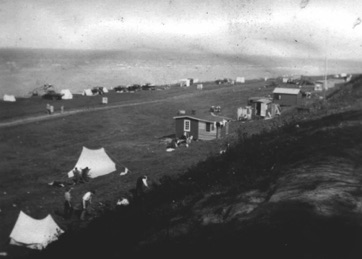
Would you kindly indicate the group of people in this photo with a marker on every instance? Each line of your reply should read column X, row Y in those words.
column 80, row 176
column 141, row 186
column 184, row 139
column 85, row 203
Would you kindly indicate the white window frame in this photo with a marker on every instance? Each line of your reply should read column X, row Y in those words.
column 211, row 127
column 187, row 122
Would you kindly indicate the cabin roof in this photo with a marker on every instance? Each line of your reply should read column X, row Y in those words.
column 205, row 118
column 280, row 90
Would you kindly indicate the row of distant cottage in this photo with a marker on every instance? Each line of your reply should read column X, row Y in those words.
column 207, row 126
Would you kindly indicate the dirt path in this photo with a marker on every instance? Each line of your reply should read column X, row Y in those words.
column 67, row 113
column 108, row 107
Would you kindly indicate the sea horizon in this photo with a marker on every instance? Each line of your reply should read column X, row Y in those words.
column 22, row 70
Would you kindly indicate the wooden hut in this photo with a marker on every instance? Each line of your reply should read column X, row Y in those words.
column 186, row 82
column 201, row 127
column 287, row 96
column 244, row 113
column 263, row 108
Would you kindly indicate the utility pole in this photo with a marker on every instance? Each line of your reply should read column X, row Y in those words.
column 325, row 66
column 325, row 77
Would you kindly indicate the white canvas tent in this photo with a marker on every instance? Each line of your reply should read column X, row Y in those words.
column 97, row 160
column 9, row 98
column 66, row 94
column 87, row 92
column 33, row 233
column 105, row 90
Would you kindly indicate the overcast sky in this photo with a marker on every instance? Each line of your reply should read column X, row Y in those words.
column 273, row 27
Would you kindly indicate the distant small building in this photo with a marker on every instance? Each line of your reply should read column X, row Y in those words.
column 9, row 98
column 285, row 80
column 318, row 86
column 328, row 84
column 244, row 113
column 240, row 80
column 200, row 86
column 205, row 127
column 251, row 100
column 186, row 82
column 264, row 108
column 287, row 96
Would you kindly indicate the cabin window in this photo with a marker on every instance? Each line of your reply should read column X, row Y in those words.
column 210, row 127
column 187, row 125
column 279, row 96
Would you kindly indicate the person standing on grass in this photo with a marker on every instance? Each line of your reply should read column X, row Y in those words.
column 48, row 108
column 68, row 207
column 86, row 202
column 85, row 174
column 141, row 185
column 77, row 178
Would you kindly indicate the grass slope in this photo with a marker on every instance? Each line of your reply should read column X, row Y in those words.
column 251, row 200
column 34, row 154
column 292, row 191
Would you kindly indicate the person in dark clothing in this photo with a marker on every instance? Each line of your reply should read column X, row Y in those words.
column 68, row 207
column 77, row 177
column 85, row 174
column 141, row 185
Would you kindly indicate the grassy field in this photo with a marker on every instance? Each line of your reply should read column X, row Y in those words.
column 292, row 191
column 37, row 153
column 286, row 188
column 35, row 106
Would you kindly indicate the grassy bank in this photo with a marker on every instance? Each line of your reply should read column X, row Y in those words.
column 286, row 188
column 37, row 153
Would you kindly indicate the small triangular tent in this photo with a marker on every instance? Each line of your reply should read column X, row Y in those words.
column 97, row 160
column 9, row 98
column 87, row 92
column 33, row 233
column 66, row 94
column 105, row 90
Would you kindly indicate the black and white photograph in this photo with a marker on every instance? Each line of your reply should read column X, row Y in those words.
column 181, row 129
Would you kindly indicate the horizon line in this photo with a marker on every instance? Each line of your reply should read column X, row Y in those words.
column 152, row 49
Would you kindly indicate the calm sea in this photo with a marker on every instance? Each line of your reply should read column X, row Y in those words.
column 22, row 70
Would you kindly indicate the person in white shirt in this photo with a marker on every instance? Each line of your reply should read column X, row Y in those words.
column 68, row 207
column 86, row 202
